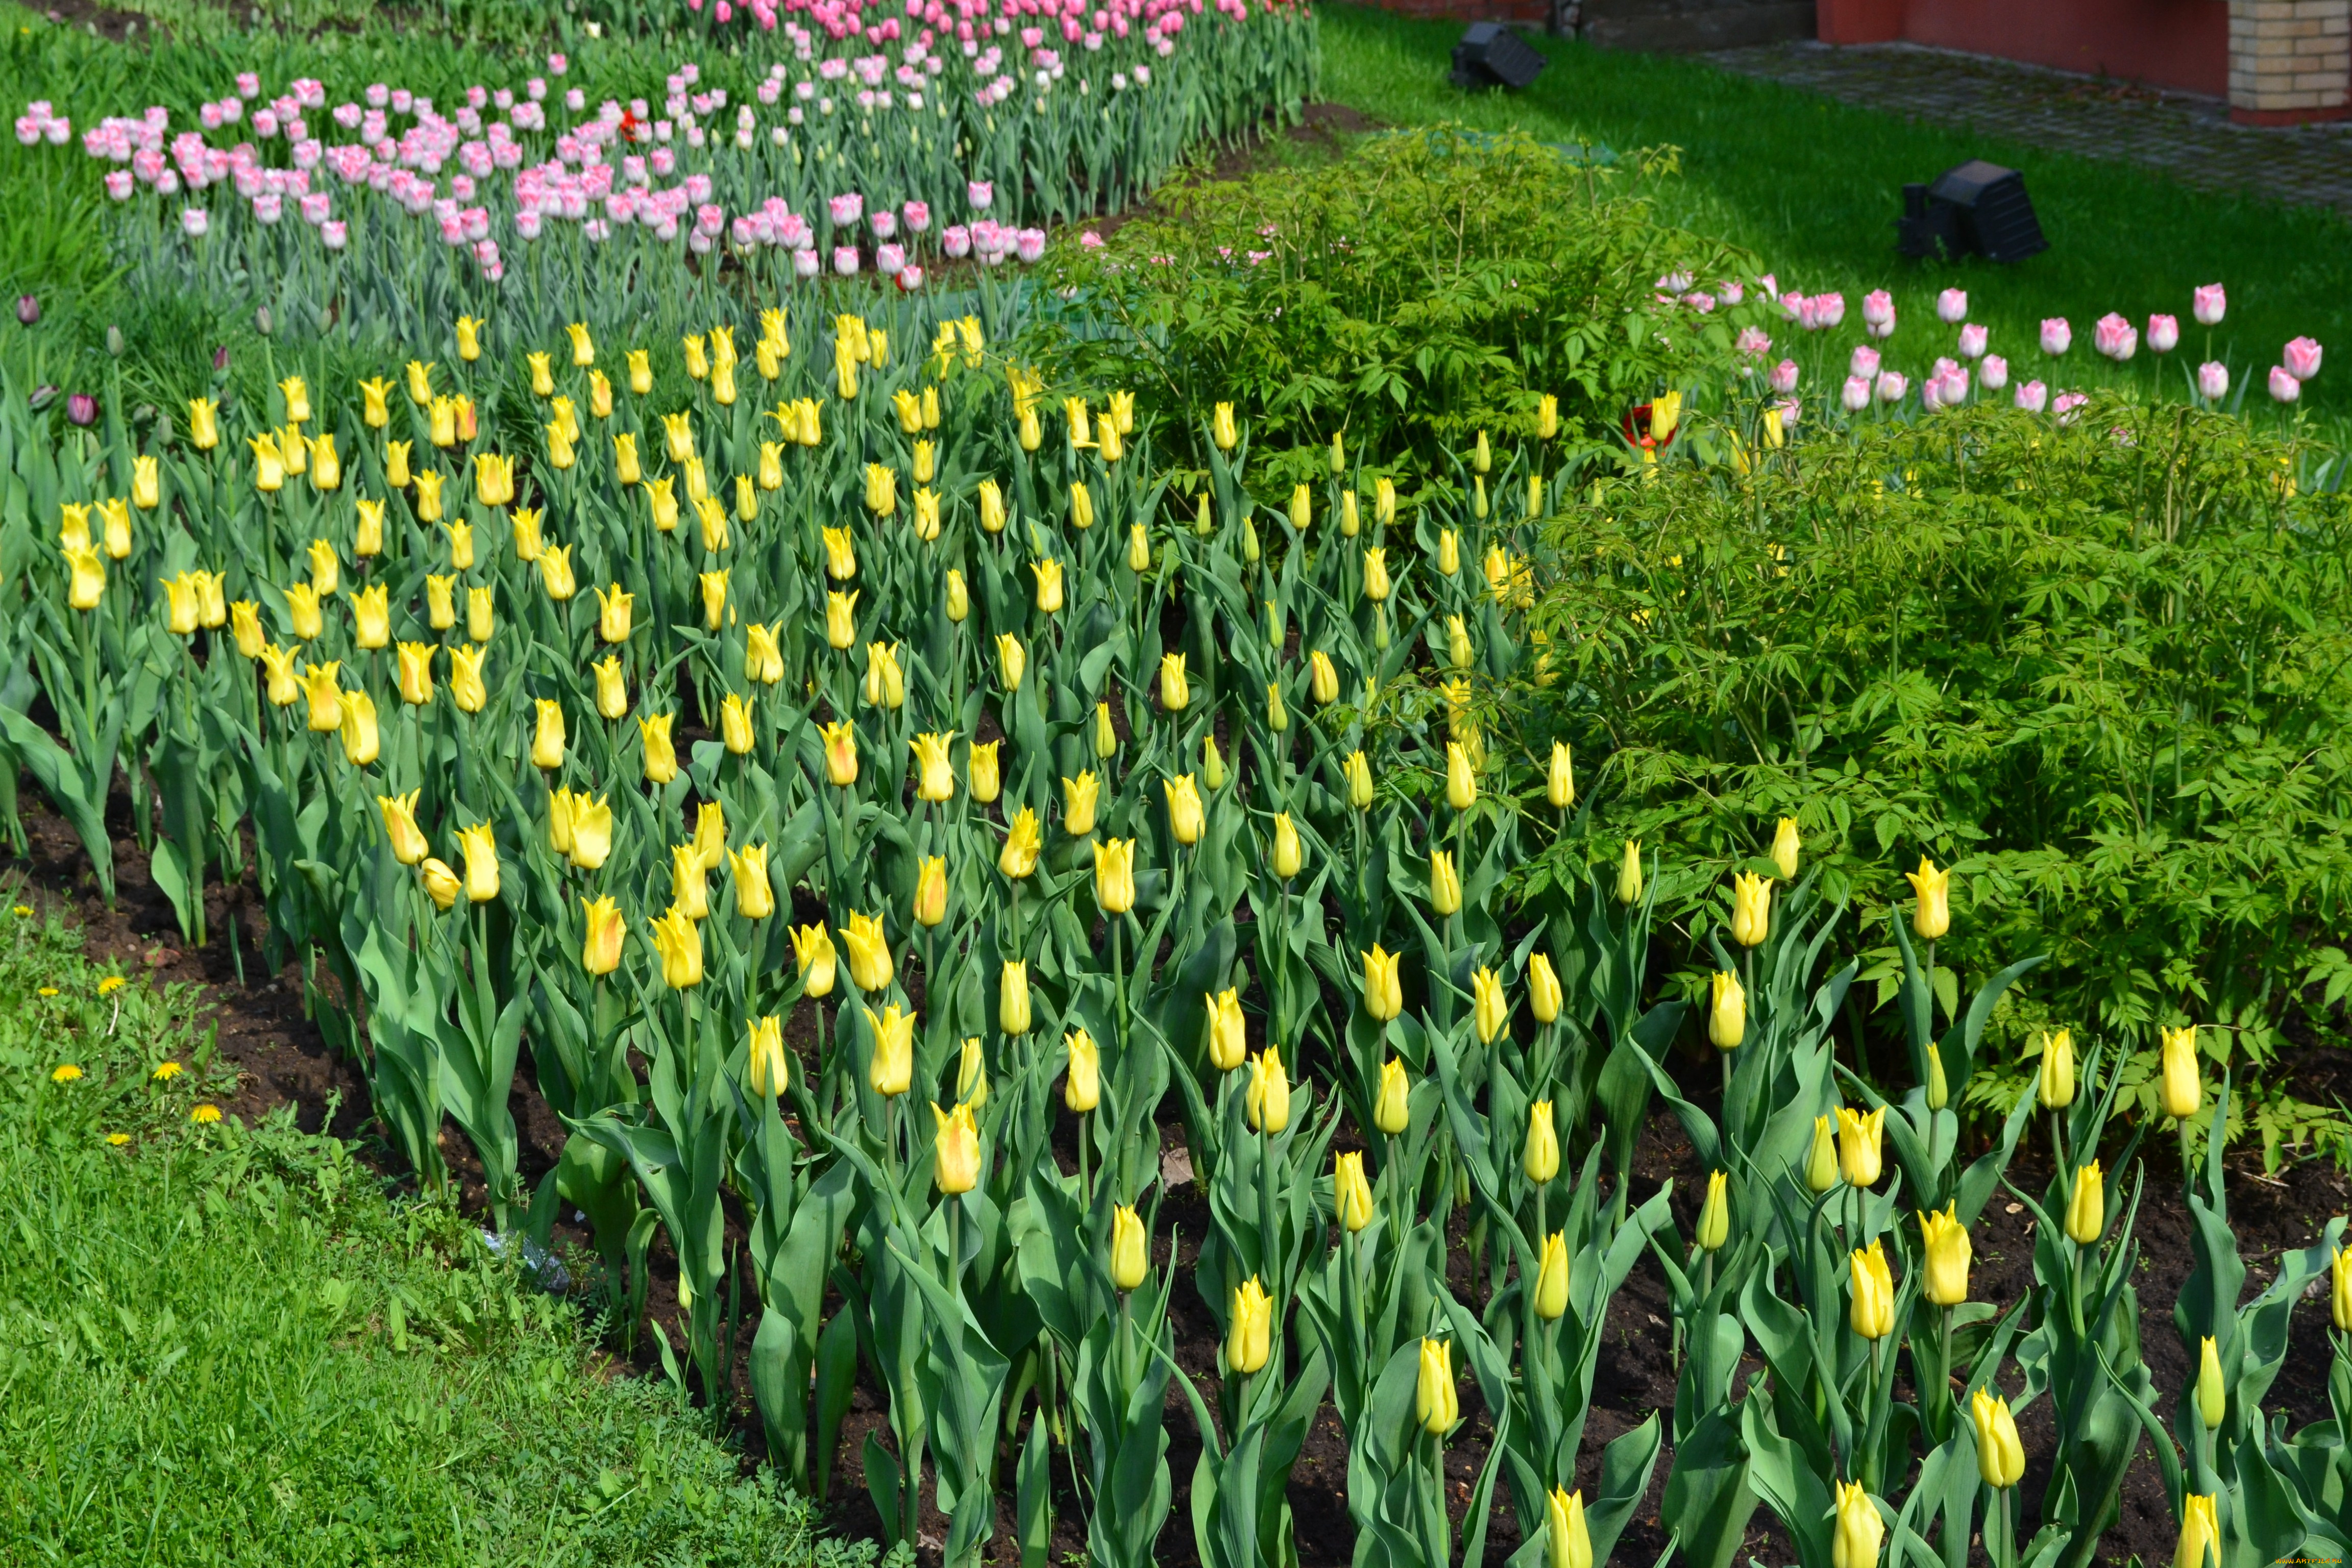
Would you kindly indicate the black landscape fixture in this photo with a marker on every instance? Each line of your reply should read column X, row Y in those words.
column 1978, row 206
column 1491, row 55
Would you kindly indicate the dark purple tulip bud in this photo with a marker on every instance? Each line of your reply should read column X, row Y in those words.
column 220, row 357
column 81, row 410
column 29, row 310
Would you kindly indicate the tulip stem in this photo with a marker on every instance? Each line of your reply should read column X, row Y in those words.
column 1086, row 1195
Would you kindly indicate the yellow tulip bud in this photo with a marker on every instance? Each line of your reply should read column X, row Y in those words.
column 1437, row 1405
column 1013, row 997
column 1249, row 1329
column 893, row 1069
column 956, row 1154
column 2200, row 1533
column 1115, row 876
column 1785, row 845
column 661, row 754
column 1726, row 1014
column 1267, row 1098
column 1553, row 1278
column 1131, row 1249
column 1544, row 996
column 1082, row 1083
column 2182, row 1090
column 2000, row 1458
column 1821, row 1171
column 1715, row 1214
column 1944, row 1241
column 1873, row 1311
column 1933, row 918
column 1858, row 1138
column 1228, row 1038
column 2086, row 1210
column 1751, row 909
column 1629, row 874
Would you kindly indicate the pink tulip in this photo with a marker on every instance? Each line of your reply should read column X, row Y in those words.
column 2057, row 337
column 2163, row 334
column 1955, row 384
column 1789, row 409
column 2213, row 381
column 956, row 240
column 1993, row 371
column 2211, row 305
column 1864, row 362
column 909, row 279
column 1952, row 306
column 118, row 185
column 1730, row 291
column 845, row 259
column 334, row 233
column 1973, row 338
column 1030, row 243
column 1792, row 306
column 1892, row 386
column 1878, row 313
column 2065, row 403
column 806, row 263
column 1931, row 393
column 980, row 193
column 2301, row 358
column 2285, row 386
column 2033, row 397
column 1855, row 395
column 891, row 257
column 2114, row 337
column 195, row 222
column 1829, row 308
column 1805, row 313
column 1770, row 284
column 1783, row 378
column 1751, row 340
column 918, row 216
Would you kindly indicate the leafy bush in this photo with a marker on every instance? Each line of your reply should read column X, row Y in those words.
column 2103, row 668
column 1430, row 285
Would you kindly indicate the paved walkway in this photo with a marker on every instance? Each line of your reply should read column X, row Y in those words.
column 2189, row 137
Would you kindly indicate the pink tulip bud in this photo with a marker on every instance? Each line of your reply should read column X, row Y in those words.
column 2033, row 397
column 1864, row 362
column 846, row 209
column 884, row 221
column 2212, row 381
column 909, row 279
column 2114, row 337
column 2284, row 386
column 1952, row 306
column 1751, row 340
column 81, row 408
column 1973, row 338
column 1855, row 395
column 334, row 234
column 1783, row 378
column 1771, row 285
column 2211, row 305
column 1892, row 386
column 806, row 263
column 28, row 310
column 1829, row 308
column 2301, row 358
column 1993, row 371
column 956, row 240
column 2163, row 334
column 2057, row 337
column 1031, row 246
column 1878, row 309
column 1731, row 291
column 1954, row 385
column 845, row 259
column 118, row 185
column 1790, row 410
column 1792, row 306
column 980, row 193
column 918, row 216
column 890, row 258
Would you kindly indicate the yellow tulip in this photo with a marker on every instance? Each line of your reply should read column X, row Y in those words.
column 1228, row 1037
column 956, row 1154
column 441, row 885
column 1857, row 1142
column 326, row 699
column 203, row 424
column 1082, row 1083
column 399, row 812
column 1359, row 781
column 1559, row 782
column 1872, row 1314
column 1785, row 845
column 1436, row 1404
column 1629, row 874
column 481, row 862
column 2339, row 1291
column 2000, row 1458
column 641, row 370
column 687, row 891
column 768, row 1064
column 1079, row 797
column 1544, row 996
column 1013, row 997
column 980, row 774
column 326, row 468
column 1751, row 909
column 893, row 1071
column 1115, row 876
column 1540, row 1158
column 1249, row 1329
column 1490, row 1009
column 1727, row 1012
column 1286, row 858
column 285, row 689
column 2054, row 1083
column 931, row 891
column 182, row 607
column 1185, row 818
column 1444, row 884
column 1383, row 987
column 479, row 615
column 1944, row 1241
column 886, row 683
column 1449, row 552
column 1267, row 1098
column 592, row 831
column 870, row 962
column 360, row 740
column 420, row 383
column 1821, row 1159
column 1011, row 661
column 816, row 957
column 663, row 497
column 735, row 724
column 1024, row 842
column 1351, row 1194
column 1715, row 1214
column 2086, row 1210
column 661, row 756
column 396, row 464
column 1933, row 917
column 367, row 535
column 1392, row 1108
column 1860, row 1530
column 1323, row 679
column 268, row 462
column 547, row 740
column 2182, row 1091
column 1129, row 1248
column 678, row 940
column 1552, row 1278
column 2200, row 1533
column 147, row 482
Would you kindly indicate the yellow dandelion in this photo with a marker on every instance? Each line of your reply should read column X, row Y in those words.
column 117, row 1140
column 48, row 991
column 206, row 1114
column 65, row 1074
column 166, row 1071
column 23, row 911
column 110, row 985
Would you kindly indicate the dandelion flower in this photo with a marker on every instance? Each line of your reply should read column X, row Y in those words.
column 205, row 1114
column 23, row 911
column 166, row 1071
column 110, row 985
column 65, row 1074
column 117, row 1140
column 49, row 990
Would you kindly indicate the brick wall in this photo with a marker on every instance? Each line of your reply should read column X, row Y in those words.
column 2289, row 60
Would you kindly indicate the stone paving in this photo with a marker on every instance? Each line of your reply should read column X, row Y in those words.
column 2189, row 138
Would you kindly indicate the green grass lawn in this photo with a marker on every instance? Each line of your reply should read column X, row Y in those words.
column 228, row 1345
column 1811, row 187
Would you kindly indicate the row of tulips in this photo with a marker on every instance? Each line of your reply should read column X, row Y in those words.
column 921, row 786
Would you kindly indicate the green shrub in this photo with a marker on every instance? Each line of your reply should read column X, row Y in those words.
column 1425, row 287
column 2104, row 668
